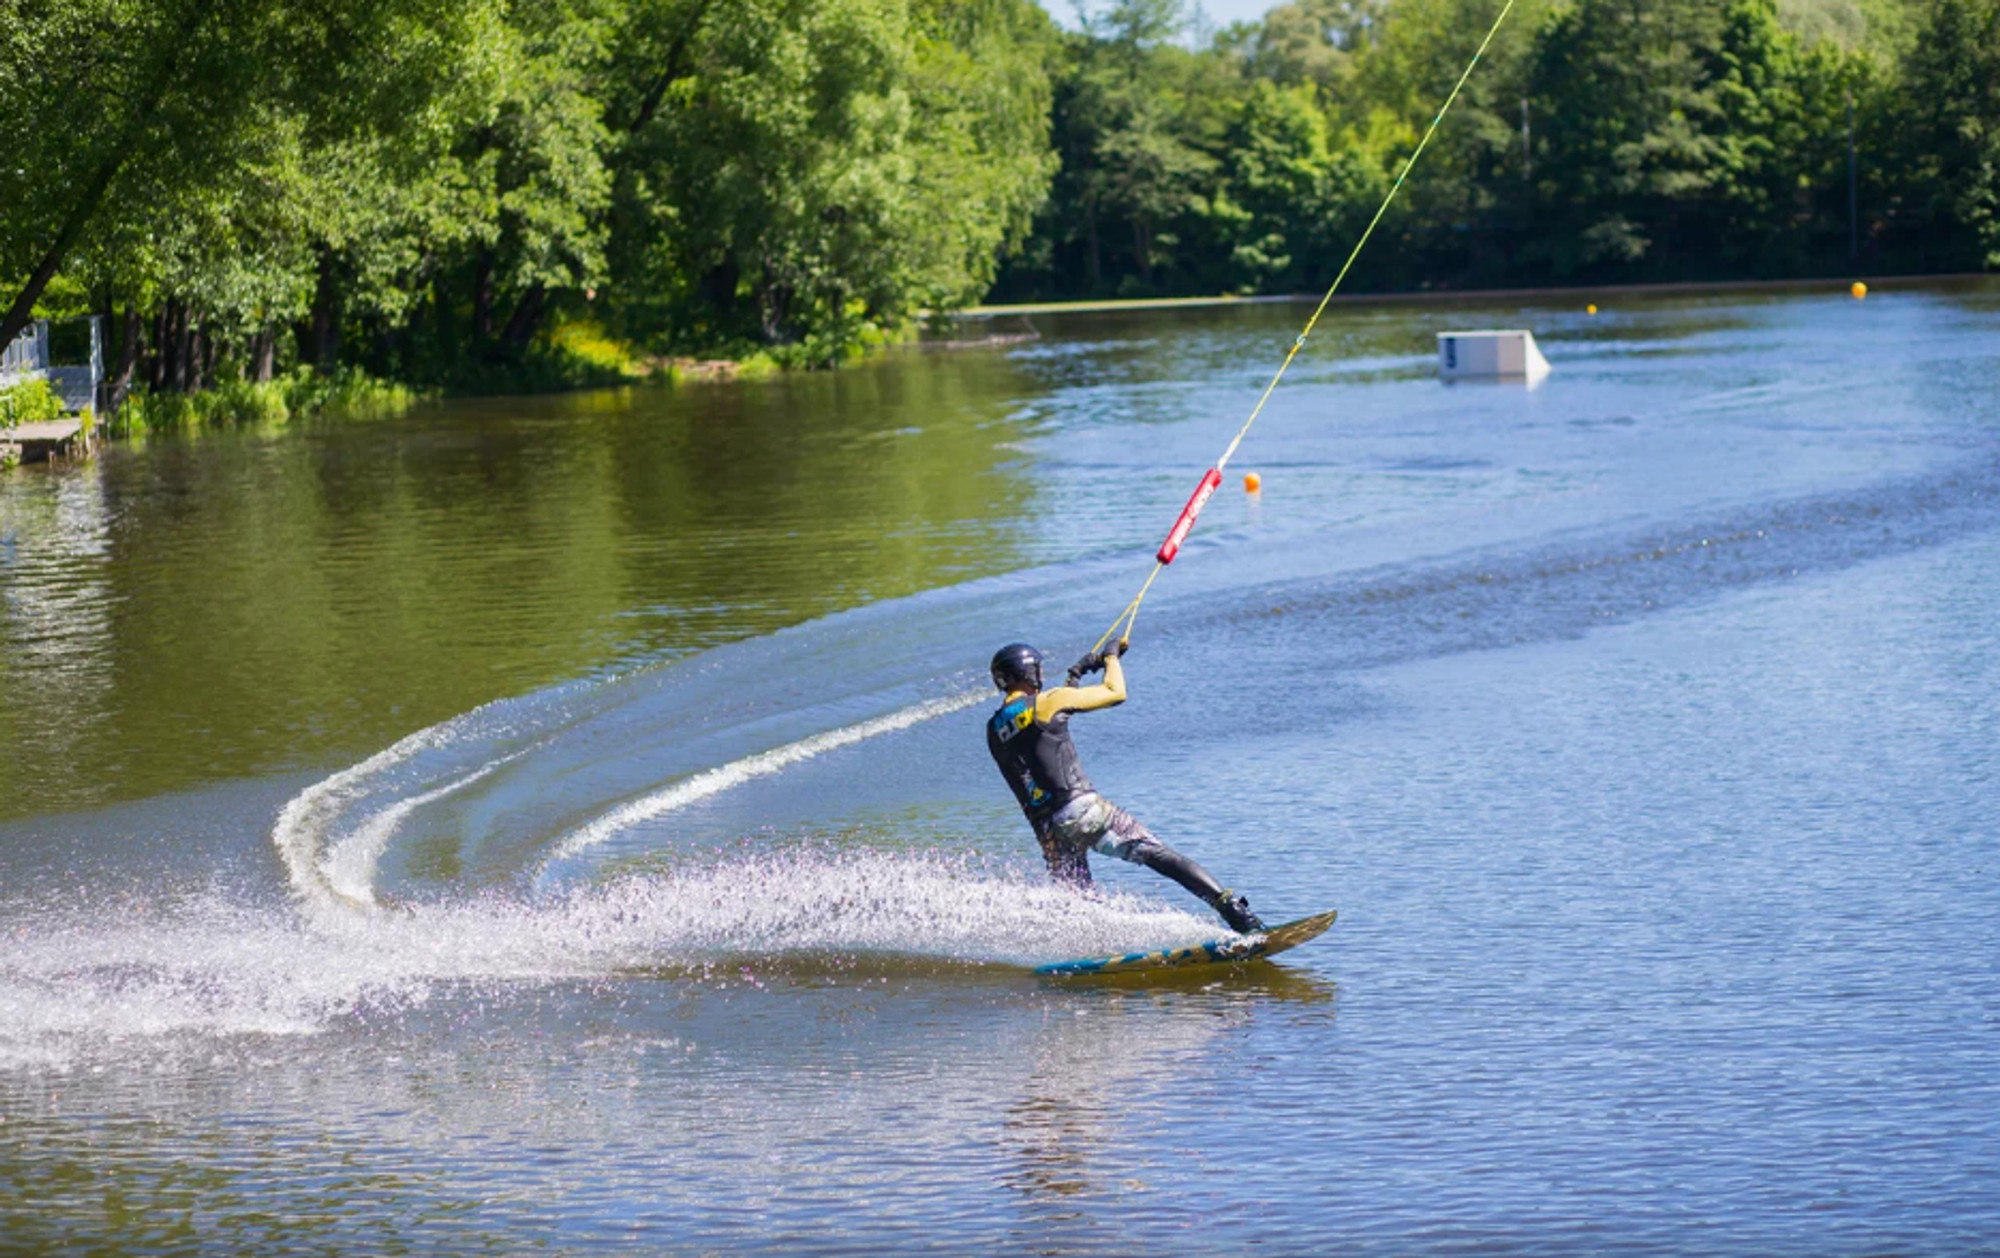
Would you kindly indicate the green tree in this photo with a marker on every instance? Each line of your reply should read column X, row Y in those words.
column 809, row 168
column 1775, row 198
column 1310, row 41
column 1138, row 123
column 1631, row 138
column 983, row 160
column 1952, row 106
column 1458, row 217
column 114, row 107
column 1298, row 202
column 543, row 167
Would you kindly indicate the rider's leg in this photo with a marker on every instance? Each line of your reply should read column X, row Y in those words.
column 1127, row 838
column 1068, row 862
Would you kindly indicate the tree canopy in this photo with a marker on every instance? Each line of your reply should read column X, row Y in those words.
column 1600, row 140
column 432, row 189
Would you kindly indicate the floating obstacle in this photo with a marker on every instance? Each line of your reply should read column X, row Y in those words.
column 1492, row 355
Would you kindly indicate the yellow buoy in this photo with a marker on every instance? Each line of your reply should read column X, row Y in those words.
column 1252, row 483
column 1590, row 309
column 1859, row 290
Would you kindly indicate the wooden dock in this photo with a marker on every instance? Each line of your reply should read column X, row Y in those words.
column 72, row 372
column 56, row 439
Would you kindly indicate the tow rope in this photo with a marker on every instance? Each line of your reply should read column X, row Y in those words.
column 1212, row 478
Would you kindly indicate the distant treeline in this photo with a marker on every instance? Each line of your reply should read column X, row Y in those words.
column 1599, row 140
column 490, row 193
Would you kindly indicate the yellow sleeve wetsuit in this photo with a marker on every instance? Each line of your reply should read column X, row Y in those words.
column 1029, row 739
column 1108, row 693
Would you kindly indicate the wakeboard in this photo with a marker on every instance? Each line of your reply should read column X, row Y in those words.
column 1231, row 951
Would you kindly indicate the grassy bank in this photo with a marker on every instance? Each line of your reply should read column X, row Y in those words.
column 749, row 361
column 297, row 395
column 580, row 353
column 574, row 355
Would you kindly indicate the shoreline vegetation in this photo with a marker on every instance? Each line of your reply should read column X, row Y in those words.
column 295, row 208
column 585, row 358
column 301, row 394
column 1445, row 296
column 354, row 394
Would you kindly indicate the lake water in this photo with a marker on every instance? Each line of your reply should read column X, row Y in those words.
column 564, row 825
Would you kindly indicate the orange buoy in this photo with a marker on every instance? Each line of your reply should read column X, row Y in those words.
column 1859, row 290
column 1590, row 309
column 1252, row 483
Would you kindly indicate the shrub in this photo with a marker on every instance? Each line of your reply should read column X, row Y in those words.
column 30, row 402
column 304, row 392
column 347, row 391
column 585, row 342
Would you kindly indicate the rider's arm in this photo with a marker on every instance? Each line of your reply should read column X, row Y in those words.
column 1106, row 694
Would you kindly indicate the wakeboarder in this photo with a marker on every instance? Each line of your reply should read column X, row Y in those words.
column 1028, row 736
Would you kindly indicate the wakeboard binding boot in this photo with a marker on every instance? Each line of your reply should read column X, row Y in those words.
column 1235, row 911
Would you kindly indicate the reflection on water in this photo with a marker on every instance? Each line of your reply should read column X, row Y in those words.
column 1119, row 1035
column 788, row 1096
column 55, row 625
column 184, row 609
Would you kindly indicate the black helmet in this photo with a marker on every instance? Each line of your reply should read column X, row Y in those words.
column 1017, row 666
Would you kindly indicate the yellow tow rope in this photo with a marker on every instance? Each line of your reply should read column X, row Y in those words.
column 1129, row 617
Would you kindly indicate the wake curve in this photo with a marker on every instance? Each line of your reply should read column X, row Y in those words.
column 331, row 840
column 715, row 781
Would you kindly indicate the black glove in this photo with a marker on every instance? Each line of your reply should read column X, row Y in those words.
column 1094, row 662
column 1091, row 663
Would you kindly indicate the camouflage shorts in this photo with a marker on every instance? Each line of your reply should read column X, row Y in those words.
column 1092, row 823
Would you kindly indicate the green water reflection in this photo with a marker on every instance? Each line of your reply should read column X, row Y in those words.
column 193, row 608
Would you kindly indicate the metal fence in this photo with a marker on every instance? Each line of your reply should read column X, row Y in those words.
column 28, row 357
column 76, row 377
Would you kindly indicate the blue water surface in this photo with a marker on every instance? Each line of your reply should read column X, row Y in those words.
column 1642, row 727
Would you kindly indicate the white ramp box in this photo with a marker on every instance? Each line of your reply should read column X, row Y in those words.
column 1498, row 355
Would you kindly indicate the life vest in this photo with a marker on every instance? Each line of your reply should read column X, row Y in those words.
column 1037, row 758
